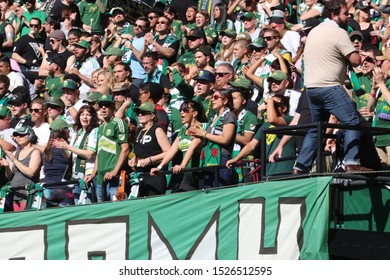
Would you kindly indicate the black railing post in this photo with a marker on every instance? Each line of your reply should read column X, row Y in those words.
column 263, row 154
column 319, row 147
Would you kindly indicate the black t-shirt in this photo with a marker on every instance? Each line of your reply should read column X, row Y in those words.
column 18, row 122
column 305, row 118
column 181, row 7
column 175, row 45
column 27, row 47
column 58, row 7
column 146, row 144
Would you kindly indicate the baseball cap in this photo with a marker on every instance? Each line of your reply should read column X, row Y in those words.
column 205, row 75
column 23, row 130
column 277, row 16
column 117, row 10
column 57, row 34
column 70, row 84
column 57, row 59
column 281, row 7
column 59, row 124
column 248, row 15
column 259, row 43
column 355, row 34
column 196, row 33
column 4, row 111
column 278, row 76
column 206, row 50
column 145, row 107
column 228, row 32
column 106, row 98
column 83, row 44
column 16, row 99
column 240, row 83
column 55, row 101
column 113, row 51
column 243, row 36
column 361, row 5
column 92, row 96
column 310, row 23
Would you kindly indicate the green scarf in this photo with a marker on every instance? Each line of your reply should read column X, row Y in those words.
column 34, row 199
column 134, row 182
column 83, row 194
column 3, row 194
column 80, row 161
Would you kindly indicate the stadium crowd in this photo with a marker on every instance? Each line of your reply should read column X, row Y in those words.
column 85, row 93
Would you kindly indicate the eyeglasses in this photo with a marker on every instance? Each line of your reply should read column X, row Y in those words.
column 162, row 22
column 34, row 25
column 221, row 74
column 216, row 97
column 269, row 38
column 35, row 110
column 185, row 109
column 152, row 17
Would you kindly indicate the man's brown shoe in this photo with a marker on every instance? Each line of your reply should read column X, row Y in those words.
column 356, row 168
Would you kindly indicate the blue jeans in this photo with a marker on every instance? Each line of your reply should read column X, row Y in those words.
column 323, row 102
column 111, row 188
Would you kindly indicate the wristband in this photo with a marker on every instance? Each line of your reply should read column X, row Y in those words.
column 150, row 159
column 159, row 167
column 204, row 136
column 373, row 94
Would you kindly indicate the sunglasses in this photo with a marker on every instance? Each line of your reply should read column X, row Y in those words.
column 369, row 59
column 52, row 41
column 152, row 17
column 139, row 26
column 162, row 22
column 221, row 74
column 144, row 113
column 356, row 39
column 269, row 38
column 54, row 107
column 19, row 135
column 36, row 110
column 185, row 109
column 216, row 97
column 106, row 105
column 303, row 33
column 34, row 25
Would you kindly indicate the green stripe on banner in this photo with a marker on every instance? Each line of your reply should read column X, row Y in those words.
column 271, row 220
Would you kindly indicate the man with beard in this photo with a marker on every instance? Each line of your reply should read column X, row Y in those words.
column 202, row 59
column 27, row 48
column 153, row 74
column 84, row 65
column 327, row 50
column 55, row 79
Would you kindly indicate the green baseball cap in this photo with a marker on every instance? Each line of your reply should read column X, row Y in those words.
column 59, row 124
column 93, row 96
column 113, row 51
column 243, row 36
column 241, row 83
column 4, row 111
column 70, row 84
column 83, row 44
column 23, row 130
column 55, row 101
column 277, row 76
column 259, row 43
column 228, row 32
column 248, row 15
column 106, row 98
column 146, row 107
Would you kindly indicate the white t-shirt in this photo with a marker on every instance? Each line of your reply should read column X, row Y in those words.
column 291, row 41
column 43, row 133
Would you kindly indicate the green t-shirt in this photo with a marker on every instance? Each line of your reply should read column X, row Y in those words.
column 188, row 59
column 281, row 167
column 91, row 15
column 28, row 16
column 184, row 143
column 110, row 138
column 382, row 119
column 362, row 95
column 54, row 85
column 207, row 106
